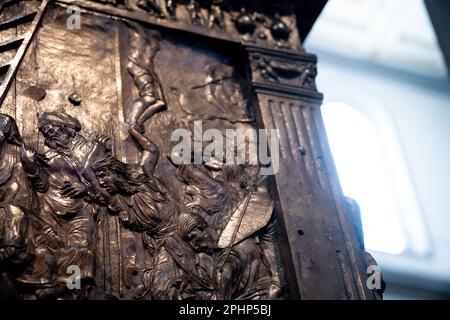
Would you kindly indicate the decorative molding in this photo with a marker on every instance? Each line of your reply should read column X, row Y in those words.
column 284, row 72
column 262, row 24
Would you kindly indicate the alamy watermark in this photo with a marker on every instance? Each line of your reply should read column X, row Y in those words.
column 237, row 147
column 73, row 22
column 373, row 277
column 74, row 278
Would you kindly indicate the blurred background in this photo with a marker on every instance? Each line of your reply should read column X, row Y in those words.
column 383, row 72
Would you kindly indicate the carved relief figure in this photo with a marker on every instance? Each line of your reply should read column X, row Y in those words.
column 64, row 191
column 13, row 192
column 235, row 225
column 27, row 256
column 27, row 243
column 181, row 269
column 141, row 67
column 13, row 186
column 171, row 7
column 194, row 9
column 151, row 6
column 134, row 193
column 216, row 14
column 219, row 96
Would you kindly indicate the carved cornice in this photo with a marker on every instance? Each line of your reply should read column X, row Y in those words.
column 284, row 72
column 261, row 24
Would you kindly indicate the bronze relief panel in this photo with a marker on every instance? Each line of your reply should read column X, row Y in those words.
column 92, row 203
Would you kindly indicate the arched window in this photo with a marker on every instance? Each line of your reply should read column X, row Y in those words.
column 372, row 171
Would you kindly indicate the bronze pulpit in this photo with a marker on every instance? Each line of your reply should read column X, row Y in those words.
column 99, row 199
